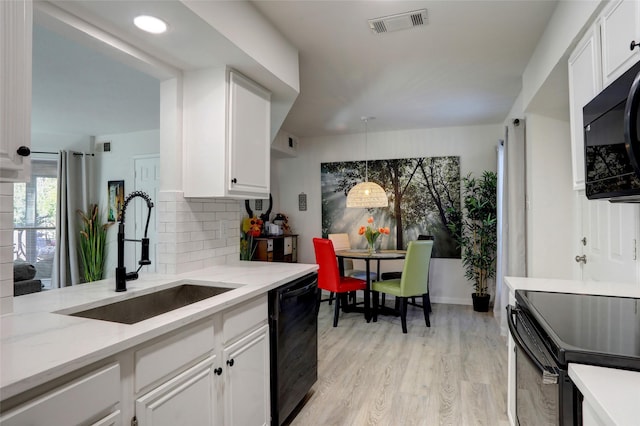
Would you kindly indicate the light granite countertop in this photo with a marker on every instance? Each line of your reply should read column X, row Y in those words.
column 37, row 344
column 614, row 394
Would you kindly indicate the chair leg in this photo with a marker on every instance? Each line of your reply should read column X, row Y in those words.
column 383, row 298
column 426, row 308
column 428, row 301
column 376, row 300
column 331, row 294
column 336, row 311
column 403, row 313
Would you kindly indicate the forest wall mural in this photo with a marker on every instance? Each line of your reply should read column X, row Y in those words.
column 424, row 196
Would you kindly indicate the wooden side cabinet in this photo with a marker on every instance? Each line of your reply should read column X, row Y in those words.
column 281, row 248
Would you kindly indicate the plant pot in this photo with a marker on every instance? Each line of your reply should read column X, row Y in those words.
column 480, row 302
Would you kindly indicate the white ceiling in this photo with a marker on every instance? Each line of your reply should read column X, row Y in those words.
column 463, row 68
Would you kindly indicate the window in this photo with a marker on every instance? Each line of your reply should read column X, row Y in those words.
column 34, row 218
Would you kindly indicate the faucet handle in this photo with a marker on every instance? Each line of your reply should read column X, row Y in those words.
column 144, row 254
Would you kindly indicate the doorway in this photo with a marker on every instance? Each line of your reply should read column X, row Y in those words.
column 147, row 179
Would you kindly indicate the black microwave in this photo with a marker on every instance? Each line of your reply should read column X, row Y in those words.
column 611, row 140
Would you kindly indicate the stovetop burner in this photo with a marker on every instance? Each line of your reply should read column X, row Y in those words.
column 590, row 329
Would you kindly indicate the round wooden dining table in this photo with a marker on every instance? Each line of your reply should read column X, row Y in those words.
column 364, row 254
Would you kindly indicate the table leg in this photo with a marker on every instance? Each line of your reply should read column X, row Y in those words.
column 367, row 294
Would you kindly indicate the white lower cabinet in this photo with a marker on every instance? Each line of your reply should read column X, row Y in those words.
column 246, row 393
column 79, row 402
column 113, row 419
column 187, row 399
column 212, row 373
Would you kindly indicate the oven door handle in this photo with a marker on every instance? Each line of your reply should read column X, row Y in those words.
column 549, row 377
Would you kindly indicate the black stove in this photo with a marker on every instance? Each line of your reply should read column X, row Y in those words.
column 586, row 329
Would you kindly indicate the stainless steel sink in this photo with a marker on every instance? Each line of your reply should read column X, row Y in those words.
column 140, row 308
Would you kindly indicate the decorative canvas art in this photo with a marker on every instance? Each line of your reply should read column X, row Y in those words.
column 420, row 191
column 115, row 196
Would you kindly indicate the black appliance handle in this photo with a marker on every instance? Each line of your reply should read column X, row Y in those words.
column 288, row 294
column 631, row 142
column 549, row 377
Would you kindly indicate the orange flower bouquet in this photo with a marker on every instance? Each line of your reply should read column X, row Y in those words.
column 371, row 233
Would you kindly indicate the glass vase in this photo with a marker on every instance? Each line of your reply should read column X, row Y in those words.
column 371, row 245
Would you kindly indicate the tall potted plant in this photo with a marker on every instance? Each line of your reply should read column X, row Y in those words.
column 476, row 234
column 93, row 239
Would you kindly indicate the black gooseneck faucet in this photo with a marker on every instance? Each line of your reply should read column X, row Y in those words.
column 121, row 272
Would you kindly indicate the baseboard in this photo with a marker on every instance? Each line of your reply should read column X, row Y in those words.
column 452, row 300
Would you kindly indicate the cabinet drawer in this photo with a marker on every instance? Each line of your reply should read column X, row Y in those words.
column 288, row 245
column 112, row 419
column 78, row 402
column 165, row 357
column 246, row 317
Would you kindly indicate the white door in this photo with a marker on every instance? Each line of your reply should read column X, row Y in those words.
column 147, row 179
column 610, row 238
column 247, row 380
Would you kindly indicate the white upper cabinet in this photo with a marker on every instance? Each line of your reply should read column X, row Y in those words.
column 601, row 56
column 620, row 26
column 585, row 81
column 249, row 144
column 15, row 88
column 226, row 135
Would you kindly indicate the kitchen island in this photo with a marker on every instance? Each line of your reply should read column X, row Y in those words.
column 610, row 395
column 41, row 345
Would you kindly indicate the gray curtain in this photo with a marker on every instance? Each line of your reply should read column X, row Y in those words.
column 73, row 195
column 512, row 236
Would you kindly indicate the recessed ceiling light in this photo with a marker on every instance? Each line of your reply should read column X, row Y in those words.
column 150, row 24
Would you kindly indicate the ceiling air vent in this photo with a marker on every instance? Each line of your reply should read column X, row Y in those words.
column 401, row 21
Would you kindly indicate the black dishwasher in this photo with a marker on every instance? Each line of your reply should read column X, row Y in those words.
column 293, row 329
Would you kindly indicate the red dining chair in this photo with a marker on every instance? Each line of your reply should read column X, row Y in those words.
column 329, row 278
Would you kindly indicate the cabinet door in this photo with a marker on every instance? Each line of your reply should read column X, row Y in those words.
column 246, row 394
column 584, row 83
column 15, row 87
column 187, row 399
column 249, row 139
column 619, row 26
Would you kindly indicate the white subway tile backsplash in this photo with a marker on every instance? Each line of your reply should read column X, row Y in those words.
column 183, row 206
column 227, row 216
column 190, row 237
column 210, row 225
column 6, row 305
column 6, row 248
column 214, row 244
column 214, row 207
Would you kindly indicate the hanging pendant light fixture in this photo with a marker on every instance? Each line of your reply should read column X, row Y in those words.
column 367, row 194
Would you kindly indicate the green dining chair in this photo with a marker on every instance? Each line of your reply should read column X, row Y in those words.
column 413, row 282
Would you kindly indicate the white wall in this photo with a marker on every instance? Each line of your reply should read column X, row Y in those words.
column 475, row 145
column 54, row 142
column 118, row 164
column 549, row 198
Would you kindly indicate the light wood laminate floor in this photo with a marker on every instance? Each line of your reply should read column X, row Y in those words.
column 454, row 373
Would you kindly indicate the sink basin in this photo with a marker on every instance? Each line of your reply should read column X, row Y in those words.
column 140, row 308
